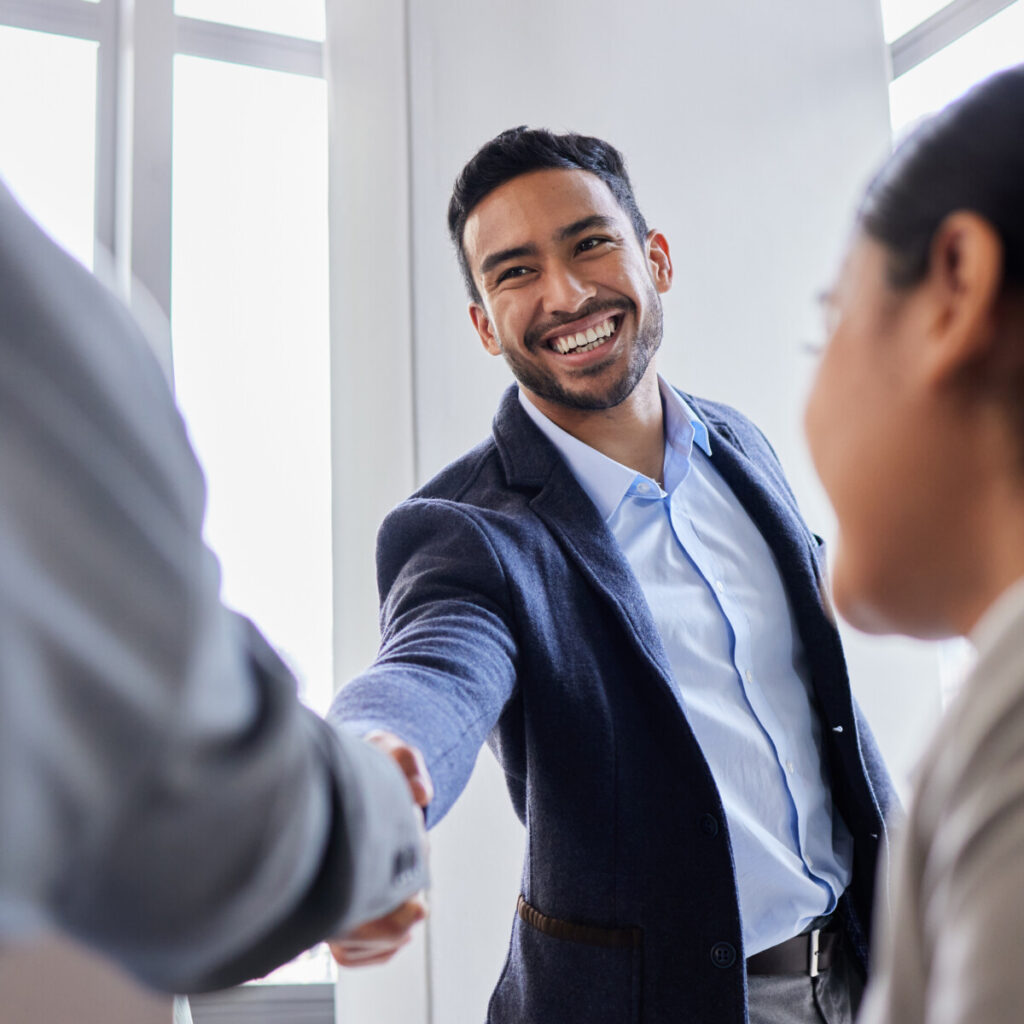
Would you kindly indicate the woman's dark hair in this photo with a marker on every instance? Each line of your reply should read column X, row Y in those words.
column 969, row 157
column 521, row 150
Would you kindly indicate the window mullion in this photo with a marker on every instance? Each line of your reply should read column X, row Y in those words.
column 107, row 73
column 60, row 17
column 238, row 45
column 944, row 27
column 145, row 78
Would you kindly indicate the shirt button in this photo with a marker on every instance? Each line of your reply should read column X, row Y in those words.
column 723, row 954
column 719, row 586
column 643, row 488
column 749, row 676
column 789, row 767
column 709, row 825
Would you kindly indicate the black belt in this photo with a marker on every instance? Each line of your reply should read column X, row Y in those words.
column 810, row 953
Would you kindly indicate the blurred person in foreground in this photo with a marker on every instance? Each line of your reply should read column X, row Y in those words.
column 916, row 426
column 164, row 796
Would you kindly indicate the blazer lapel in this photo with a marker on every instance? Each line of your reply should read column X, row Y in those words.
column 772, row 507
column 531, row 461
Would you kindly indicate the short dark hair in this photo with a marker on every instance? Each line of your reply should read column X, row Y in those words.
column 521, row 150
column 969, row 156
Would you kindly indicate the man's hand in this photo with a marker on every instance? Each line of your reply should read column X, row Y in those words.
column 378, row 941
column 409, row 759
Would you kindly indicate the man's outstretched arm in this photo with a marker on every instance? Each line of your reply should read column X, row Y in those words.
column 446, row 669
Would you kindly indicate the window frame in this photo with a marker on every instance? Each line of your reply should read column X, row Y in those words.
column 942, row 29
column 137, row 42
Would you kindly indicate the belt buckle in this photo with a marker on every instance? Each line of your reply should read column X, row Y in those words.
column 812, row 964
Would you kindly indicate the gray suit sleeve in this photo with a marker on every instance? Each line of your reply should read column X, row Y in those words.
column 163, row 794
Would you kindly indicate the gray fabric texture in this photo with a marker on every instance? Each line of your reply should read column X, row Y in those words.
column 830, row 998
column 163, row 794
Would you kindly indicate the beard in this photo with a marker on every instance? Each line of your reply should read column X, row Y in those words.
column 546, row 385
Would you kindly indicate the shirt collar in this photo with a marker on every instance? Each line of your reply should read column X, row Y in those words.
column 606, row 481
column 1001, row 618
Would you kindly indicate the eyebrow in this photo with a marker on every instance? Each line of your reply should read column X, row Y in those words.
column 495, row 259
column 596, row 220
column 504, row 255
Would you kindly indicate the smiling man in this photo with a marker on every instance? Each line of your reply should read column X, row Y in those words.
column 617, row 592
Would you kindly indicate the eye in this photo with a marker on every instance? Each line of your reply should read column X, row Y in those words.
column 823, row 325
column 591, row 242
column 511, row 273
column 829, row 312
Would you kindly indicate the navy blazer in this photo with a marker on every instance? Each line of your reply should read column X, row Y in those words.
column 509, row 614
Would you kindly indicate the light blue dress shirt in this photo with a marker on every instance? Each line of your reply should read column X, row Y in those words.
column 718, row 601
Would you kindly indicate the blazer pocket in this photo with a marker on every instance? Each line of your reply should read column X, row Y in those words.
column 568, row 972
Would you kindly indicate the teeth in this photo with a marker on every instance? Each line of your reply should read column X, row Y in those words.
column 584, row 341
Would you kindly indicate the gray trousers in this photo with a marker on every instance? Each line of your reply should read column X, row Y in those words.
column 830, row 998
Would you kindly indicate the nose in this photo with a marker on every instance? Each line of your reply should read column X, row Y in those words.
column 565, row 290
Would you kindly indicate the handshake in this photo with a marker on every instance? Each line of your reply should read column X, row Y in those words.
column 377, row 941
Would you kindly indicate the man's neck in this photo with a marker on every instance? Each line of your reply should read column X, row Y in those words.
column 632, row 433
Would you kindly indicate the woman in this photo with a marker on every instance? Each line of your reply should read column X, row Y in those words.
column 916, row 426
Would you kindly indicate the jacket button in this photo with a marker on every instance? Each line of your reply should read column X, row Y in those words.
column 709, row 824
column 723, row 954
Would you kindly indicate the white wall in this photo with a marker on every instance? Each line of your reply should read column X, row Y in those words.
column 749, row 128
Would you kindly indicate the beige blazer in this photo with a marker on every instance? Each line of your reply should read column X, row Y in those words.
column 953, row 952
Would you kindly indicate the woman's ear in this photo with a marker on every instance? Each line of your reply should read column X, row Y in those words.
column 963, row 283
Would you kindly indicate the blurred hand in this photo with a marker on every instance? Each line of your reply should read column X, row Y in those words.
column 378, row 941
column 409, row 759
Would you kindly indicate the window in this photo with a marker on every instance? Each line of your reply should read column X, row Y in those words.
column 246, row 289
column 900, row 16
column 302, row 18
column 251, row 342
column 49, row 148
column 200, row 165
column 940, row 50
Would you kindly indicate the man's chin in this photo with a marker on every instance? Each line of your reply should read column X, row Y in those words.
column 582, row 399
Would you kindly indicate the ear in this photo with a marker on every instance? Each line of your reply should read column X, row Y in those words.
column 659, row 260
column 484, row 327
column 965, row 272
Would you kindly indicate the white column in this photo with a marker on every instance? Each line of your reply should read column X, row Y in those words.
column 373, row 462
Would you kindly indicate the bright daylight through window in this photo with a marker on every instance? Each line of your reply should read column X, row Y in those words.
column 996, row 42
column 243, row 160
column 251, row 355
column 49, row 135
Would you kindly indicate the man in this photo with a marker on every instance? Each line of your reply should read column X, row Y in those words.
column 617, row 591
column 164, row 797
